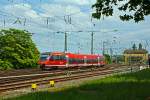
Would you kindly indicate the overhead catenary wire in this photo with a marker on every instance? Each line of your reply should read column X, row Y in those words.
column 67, row 19
column 20, row 18
column 66, row 15
column 47, row 22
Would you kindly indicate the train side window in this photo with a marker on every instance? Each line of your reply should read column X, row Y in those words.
column 87, row 60
column 74, row 60
column 82, row 60
column 70, row 61
column 62, row 58
column 78, row 60
column 57, row 57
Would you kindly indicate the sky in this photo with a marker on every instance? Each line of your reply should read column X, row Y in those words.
column 49, row 19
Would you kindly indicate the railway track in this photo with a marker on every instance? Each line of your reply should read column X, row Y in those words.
column 34, row 71
column 13, row 83
column 11, row 79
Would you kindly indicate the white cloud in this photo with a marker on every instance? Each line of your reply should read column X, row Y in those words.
column 36, row 22
column 76, row 2
column 24, row 10
column 77, row 15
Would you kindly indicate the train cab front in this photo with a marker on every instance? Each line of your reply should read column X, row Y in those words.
column 53, row 60
column 43, row 61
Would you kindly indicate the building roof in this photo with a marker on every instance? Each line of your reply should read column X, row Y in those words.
column 130, row 51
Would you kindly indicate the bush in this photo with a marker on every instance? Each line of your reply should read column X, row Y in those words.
column 107, row 59
column 5, row 65
column 17, row 49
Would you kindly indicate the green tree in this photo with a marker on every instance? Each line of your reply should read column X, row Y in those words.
column 17, row 49
column 131, row 9
column 134, row 46
column 140, row 46
column 107, row 58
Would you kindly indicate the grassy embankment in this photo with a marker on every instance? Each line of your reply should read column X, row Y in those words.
column 132, row 86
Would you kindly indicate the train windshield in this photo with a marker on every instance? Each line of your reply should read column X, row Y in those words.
column 44, row 57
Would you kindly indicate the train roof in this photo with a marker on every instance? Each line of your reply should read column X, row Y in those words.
column 58, row 53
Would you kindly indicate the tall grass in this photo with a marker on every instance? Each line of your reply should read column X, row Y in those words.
column 131, row 86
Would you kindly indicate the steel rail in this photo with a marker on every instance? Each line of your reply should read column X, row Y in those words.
column 31, row 77
column 23, row 77
column 46, row 81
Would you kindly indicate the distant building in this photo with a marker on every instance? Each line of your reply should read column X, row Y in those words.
column 135, row 56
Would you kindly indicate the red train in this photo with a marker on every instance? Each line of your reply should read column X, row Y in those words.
column 50, row 60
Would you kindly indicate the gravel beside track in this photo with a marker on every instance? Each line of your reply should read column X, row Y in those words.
column 19, row 72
